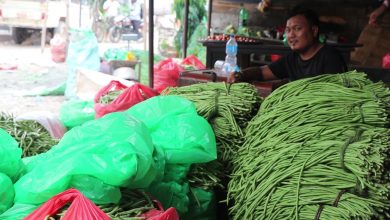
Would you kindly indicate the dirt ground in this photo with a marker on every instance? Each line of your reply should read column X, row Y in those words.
column 33, row 72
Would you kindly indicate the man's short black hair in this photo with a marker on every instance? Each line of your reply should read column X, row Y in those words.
column 310, row 15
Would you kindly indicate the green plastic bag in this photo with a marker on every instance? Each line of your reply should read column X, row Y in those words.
column 7, row 193
column 83, row 52
column 95, row 189
column 18, row 211
column 203, row 205
column 176, row 127
column 116, row 149
column 75, row 112
column 10, row 156
column 173, row 190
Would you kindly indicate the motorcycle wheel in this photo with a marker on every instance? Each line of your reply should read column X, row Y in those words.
column 115, row 34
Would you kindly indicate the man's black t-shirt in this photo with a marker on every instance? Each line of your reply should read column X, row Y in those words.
column 327, row 60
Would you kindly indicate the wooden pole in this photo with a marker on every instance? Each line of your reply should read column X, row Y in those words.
column 151, row 47
column 209, row 17
column 185, row 31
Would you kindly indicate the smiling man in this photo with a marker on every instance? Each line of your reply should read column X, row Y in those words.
column 308, row 57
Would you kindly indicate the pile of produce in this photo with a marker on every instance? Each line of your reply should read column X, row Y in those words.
column 110, row 96
column 228, row 108
column 239, row 38
column 132, row 205
column 318, row 149
column 32, row 137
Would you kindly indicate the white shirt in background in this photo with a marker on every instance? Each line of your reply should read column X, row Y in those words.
column 135, row 10
column 111, row 7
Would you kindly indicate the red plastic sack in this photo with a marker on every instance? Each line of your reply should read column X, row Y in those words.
column 129, row 97
column 160, row 214
column 58, row 49
column 166, row 74
column 386, row 61
column 81, row 207
column 192, row 60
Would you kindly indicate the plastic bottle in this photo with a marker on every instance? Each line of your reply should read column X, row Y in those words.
column 243, row 16
column 230, row 64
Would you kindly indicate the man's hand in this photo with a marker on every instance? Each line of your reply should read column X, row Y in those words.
column 235, row 77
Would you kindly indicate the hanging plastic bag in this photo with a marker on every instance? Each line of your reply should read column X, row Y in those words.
column 193, row 61
column 10, row 156
column 117, row 149
column 166, row 74
column 127, row 98
column 7, row 193
column 386, row 61
column 176, row 127
column 80, row 207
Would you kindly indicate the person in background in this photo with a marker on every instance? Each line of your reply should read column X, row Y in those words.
column 136, row 16
column 378, row 11
column 111, row 9
column 308, row 57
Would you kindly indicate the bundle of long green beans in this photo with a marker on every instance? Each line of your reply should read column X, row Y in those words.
column 110, row 96
column 32, row 137
column 318, row 149
column 228, row 108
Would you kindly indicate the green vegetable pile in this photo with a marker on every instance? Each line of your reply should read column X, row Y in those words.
column 110, row 96
column 318, row 149
column 32, row 137
column 228, row 108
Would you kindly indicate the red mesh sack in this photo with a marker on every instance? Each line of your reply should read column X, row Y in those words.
column 386, row 61
column 129, row 97
column 192, row 60
column 160, row 214
column 166, row 74
column 80, row 207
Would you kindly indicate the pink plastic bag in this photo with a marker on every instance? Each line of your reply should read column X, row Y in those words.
column 192, row 60
column 166, row 74
column 160, row 214
column 58, row 49
column 80, row 208
column 386, row 61
column 129, row 97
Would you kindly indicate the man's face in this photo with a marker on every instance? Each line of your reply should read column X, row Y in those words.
column 300, row 35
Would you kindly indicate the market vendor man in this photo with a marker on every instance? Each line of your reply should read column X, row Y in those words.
column 308, row 57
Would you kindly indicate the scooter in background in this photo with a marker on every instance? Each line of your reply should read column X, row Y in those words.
column 123, row 25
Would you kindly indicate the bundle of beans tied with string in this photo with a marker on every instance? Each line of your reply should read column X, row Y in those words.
column 31, row 136
column 133, row 203
column 319, row 148
column 228, row 108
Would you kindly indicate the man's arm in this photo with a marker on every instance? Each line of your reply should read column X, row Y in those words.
column 250, row 74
